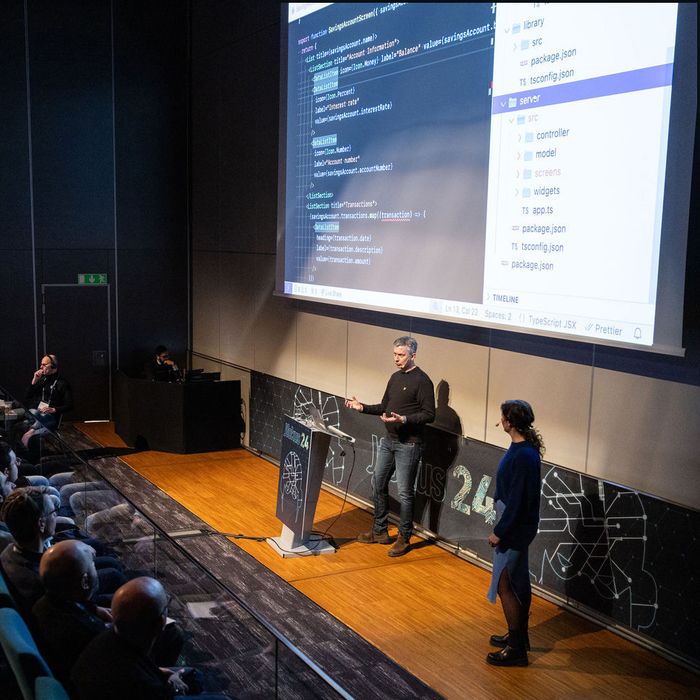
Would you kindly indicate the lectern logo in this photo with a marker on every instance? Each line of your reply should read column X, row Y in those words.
column 291, row 480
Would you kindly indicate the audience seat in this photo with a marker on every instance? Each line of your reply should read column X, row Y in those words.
column 6, row 599
column 47, row 688
column 5, row 540
column 52, row 441
column 22, row 653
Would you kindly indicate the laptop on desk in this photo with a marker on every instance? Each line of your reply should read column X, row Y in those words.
column 316, row 419
column 199, row 375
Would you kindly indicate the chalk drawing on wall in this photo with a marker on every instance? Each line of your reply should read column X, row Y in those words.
column 304, row 399
column 601, row 539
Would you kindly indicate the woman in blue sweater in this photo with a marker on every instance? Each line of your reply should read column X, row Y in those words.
column 518, row 509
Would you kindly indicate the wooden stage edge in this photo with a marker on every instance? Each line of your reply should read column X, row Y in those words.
column 426, row 610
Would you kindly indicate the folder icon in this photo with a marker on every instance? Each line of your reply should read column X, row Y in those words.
column 526, row 192
column 529, row 136
column 521, row 119
column 527, row 155
column 512, row 102
column 527, row 174
column 516, row 29
column 525, row 44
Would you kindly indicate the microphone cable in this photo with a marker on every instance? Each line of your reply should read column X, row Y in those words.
column 321, row 536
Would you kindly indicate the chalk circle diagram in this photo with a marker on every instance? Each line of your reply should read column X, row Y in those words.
column 600, row 538
column 291, row 486
column 304, row 399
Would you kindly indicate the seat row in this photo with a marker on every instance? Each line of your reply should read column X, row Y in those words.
column 33, row 676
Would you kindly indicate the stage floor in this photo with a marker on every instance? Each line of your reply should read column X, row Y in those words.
column 426, row 610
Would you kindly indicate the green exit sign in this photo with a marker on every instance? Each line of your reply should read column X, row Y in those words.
column 92, row 278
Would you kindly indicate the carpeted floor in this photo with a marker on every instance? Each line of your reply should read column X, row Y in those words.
column 231, row 605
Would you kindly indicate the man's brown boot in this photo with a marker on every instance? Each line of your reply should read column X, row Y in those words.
column 373, row 537
column 400, row 546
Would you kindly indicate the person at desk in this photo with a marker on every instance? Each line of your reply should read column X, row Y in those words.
column 161, row 368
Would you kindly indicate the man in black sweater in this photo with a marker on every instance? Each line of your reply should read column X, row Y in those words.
column 408, row 404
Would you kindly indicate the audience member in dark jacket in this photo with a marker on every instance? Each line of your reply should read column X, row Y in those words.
column 65, row 617
column 116, row 664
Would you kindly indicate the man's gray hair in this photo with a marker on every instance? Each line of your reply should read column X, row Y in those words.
column 407, row 342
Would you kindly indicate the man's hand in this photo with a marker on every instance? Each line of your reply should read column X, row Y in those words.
column 38, row 375
column 354, row 404
column 392, row 418
column 47, row 409
column 179, row 687
column 494, row 540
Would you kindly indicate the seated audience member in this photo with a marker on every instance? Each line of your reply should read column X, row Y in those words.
column 10, row 466
column 30, row 516
column 7, row 486
column 9, row 459
column 65, row 617
column 161, row 368
column 116, row 664
column 52, row 396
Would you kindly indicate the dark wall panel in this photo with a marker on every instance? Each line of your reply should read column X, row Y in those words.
column 17, row 328
column 152, row 305
column 151, row 124
column 71, row 103
column 61, row 266
column 94, row 212
column 151, row 177
column 217, row 24
column 235, row 103
column 14, row 146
